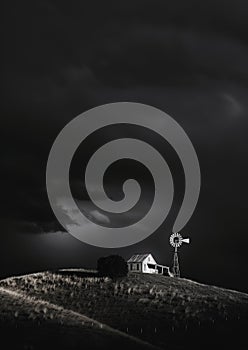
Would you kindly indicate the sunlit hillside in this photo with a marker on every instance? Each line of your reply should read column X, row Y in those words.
column 76, row 308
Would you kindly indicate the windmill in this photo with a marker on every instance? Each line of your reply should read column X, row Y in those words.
column 176, row 240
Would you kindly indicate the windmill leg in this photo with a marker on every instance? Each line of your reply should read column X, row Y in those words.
column 176, row 269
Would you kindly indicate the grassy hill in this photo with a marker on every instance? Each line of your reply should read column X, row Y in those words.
column 78, row 307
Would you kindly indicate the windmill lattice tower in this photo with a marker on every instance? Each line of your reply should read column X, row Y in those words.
column 176, row 240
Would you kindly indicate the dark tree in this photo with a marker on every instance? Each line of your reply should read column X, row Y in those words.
column 112, row 266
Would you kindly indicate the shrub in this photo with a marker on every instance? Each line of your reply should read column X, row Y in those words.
column 112, row 266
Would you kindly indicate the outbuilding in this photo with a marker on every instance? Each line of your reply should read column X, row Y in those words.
column 146, row 263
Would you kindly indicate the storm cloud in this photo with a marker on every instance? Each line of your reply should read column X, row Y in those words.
column 186, row 58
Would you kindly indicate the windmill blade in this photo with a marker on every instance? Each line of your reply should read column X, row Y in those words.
column 186, row 240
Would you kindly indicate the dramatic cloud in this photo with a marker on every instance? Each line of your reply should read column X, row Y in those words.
column 188, row 58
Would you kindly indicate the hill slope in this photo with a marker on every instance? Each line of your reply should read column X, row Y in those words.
column 169, row 313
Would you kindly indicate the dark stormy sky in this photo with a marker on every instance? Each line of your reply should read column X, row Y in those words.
column 188, row 58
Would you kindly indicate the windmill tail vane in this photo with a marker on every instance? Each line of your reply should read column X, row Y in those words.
column 176, row 240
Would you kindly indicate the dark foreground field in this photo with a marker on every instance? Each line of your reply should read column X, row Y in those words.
column 69, row 310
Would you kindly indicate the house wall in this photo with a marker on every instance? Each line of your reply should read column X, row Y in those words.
column 148, row 260
column 147, row 269
column 134, row 267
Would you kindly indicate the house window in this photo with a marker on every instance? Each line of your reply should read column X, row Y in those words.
column 144, row 266
column 131, row 266
column 137, row 266
column 151, row 266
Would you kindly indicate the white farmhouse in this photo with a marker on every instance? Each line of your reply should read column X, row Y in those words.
column 146, row 263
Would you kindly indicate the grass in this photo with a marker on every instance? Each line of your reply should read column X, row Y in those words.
column 170, row 313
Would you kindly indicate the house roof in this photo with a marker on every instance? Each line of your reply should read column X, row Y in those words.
column 138, row 258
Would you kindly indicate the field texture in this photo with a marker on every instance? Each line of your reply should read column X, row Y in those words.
column 76, row 309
